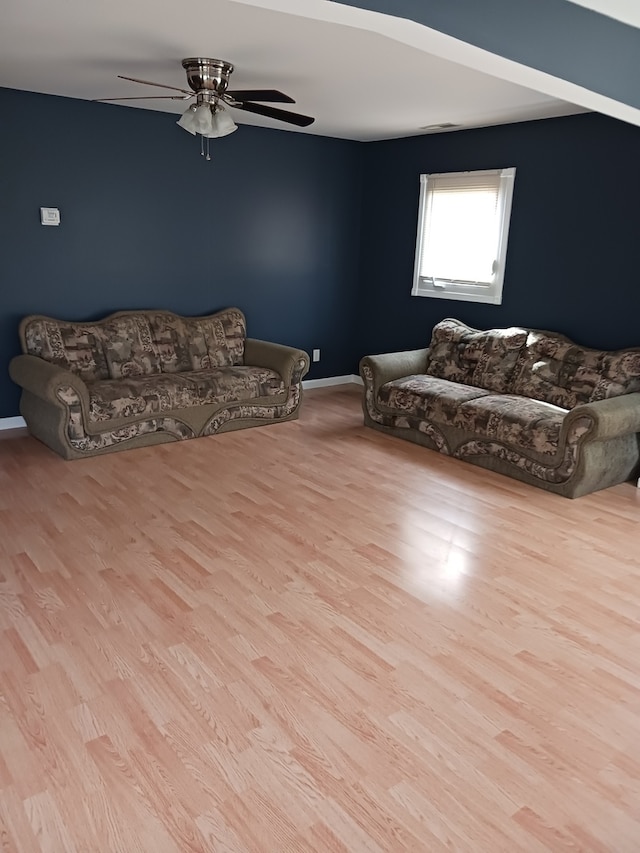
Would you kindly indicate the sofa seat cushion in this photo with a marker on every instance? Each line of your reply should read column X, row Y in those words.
column 241, row 382
column 427, row 397
column 484, row 359
column 554, row 369
column 515, row 421
column 150, row 395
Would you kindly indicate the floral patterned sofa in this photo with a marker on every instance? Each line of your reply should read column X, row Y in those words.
column 146, row 377
column 523, row 402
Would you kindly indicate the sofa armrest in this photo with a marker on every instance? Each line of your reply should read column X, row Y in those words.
column 611, row 418
column 43, row 379
column 291, row 363
column 394, row 365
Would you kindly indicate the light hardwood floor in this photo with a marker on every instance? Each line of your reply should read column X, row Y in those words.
column 313, row 637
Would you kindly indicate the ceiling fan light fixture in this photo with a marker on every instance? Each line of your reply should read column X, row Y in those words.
column 208, row 80
column 209, row 120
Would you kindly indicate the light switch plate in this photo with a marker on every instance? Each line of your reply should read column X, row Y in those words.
column 49, row 216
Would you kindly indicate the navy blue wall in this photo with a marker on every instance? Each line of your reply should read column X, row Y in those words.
column 313, row 238
column 271, row 225
column 574, row 244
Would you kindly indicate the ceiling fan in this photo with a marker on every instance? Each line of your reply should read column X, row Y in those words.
column 208, row 80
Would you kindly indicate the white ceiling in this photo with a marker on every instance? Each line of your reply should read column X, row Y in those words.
column 627, row 11
column 362, row 75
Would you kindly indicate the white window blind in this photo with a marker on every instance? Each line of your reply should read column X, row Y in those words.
column 462, row 235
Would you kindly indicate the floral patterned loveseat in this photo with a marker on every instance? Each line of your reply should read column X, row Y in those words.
column 145, row 377
column 523, row 402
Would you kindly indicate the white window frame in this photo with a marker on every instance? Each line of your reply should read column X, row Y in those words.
column 489, row 291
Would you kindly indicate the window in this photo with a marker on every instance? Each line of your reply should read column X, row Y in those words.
column 463, row 226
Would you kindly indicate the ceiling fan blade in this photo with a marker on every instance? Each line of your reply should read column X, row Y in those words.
column 148, row 98
column 271, row 95
column 160, row 85
column 272, row 112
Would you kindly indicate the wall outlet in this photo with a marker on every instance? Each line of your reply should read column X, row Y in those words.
column 316, row 355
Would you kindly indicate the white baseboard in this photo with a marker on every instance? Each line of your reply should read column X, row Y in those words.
column 12, row 423
column 348, row 379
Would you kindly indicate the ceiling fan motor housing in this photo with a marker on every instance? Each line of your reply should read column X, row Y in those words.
column 207, row 75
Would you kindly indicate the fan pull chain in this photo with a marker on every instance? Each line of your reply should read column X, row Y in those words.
column 204, row 152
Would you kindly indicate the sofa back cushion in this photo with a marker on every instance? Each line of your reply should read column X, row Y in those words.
column 137, row 343
column 555, row 370
column 483, row 359
column 77, row 347
column 198, row 343
column 128, row 346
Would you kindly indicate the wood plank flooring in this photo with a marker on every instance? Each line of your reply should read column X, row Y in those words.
column 313, row 637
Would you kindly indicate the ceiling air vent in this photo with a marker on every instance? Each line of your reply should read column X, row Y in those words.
column 447, row 125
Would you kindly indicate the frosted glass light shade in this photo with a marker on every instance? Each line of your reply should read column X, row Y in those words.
column 223, row 124
column 206, row 122
column 187, row 121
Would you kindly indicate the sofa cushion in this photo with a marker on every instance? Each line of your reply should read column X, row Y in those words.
column 514, row 421
column 553, row 369
column 230, row 384
column 139, row 395
column 77, row 347
column 427, row 397
column 226, row 333
column 176, row 351
column 145, row 395
column 128, row 347
column 198, row 343
column 484, row 359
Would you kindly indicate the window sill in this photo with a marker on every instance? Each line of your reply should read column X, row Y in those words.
column 485, row 298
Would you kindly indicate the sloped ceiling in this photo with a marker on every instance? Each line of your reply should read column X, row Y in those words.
column 563, row 39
